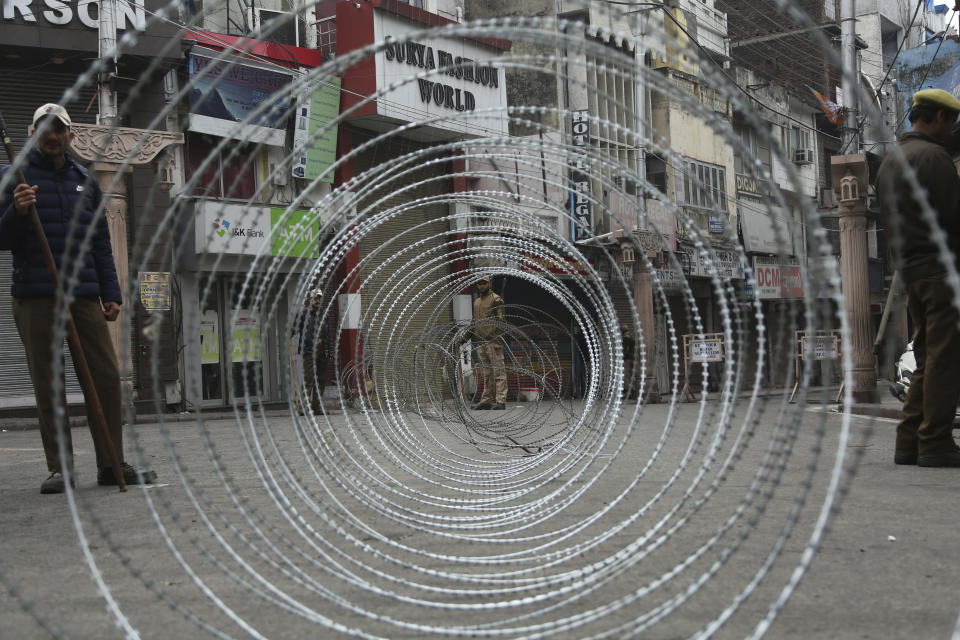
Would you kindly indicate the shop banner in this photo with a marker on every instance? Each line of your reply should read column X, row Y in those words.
column 315, row 152
column 228, row 92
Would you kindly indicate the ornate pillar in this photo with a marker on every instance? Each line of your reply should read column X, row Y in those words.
column 854, row 274
column 113, row 151
column 650, row 245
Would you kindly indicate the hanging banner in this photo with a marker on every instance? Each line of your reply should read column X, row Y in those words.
column 209, row 338
column 246, row 337
column 224, row 93
column 314, row 151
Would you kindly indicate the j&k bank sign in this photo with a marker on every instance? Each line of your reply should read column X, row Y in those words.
column 459, row 82
column 130, row 13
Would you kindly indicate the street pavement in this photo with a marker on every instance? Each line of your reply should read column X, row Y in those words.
column 675, row 519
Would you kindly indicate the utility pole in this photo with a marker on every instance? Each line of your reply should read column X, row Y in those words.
column 850, row 81
column 642, row 278
column 850, row 182
column 108, row 40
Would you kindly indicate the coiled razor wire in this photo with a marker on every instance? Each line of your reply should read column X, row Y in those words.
column 397, row 510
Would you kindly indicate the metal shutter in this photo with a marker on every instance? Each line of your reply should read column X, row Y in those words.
column 17, row 389
column 387, row 237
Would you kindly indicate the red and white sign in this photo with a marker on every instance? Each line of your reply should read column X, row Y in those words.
column 776, row 280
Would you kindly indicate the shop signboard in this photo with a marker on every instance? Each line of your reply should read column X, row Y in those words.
column 777, row 279
column 580, row 175
column 561, row 266
column 294, row 234
column 155, row 290
column 726, row 265
column 669, row 279
column 315, row 149
column 791, row 281
column 767, row 272
column 661, row 218
column 234, row 229
column 226, row 92
column 762, row 221
column 458, row 82
column 130, row 14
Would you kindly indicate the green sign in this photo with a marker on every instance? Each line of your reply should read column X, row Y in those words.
column 316, row 151
column 294, row 234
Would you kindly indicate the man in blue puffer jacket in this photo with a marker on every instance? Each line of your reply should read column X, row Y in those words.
column 67, row 200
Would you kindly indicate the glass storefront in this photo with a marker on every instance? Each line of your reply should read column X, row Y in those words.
column 232, row 362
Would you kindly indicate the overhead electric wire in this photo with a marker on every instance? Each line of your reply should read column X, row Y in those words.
column 903, row 41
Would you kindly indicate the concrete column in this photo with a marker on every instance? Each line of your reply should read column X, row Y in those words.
column 856, row 296
column 115, row 210
column 112, row 150
column 643, row 299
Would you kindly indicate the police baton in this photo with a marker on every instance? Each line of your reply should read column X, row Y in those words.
column 83, row 369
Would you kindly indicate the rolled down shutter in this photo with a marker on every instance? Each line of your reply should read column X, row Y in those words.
column 424, row 222
column 17, row 390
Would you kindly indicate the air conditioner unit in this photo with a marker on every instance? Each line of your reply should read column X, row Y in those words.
column 803, row 156
column 287, row 31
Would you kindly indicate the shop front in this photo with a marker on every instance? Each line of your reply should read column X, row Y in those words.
column 238, row 287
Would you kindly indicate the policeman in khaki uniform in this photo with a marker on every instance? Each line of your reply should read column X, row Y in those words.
column 925, row 431
column 488, row 326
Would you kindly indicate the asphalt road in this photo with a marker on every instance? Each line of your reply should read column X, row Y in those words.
column 533, row 522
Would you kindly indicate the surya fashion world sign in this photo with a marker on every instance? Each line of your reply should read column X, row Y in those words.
column 459, row 76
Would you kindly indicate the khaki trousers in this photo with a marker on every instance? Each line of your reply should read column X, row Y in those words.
column 35, row 318
column 926, row 423
column 493, row 373
column 315, row 378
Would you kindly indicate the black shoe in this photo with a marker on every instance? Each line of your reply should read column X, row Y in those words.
column 498, row 406
column 480, row 406
column 905, row 457
column 105, row 477
column 55, row 483
column 950, row 459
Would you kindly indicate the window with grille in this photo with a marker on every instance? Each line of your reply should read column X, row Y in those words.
column 612, row 98
column 704, row 185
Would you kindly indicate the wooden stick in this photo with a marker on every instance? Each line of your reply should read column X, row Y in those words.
column 86, row 380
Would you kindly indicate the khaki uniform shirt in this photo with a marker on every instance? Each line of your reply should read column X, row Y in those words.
column 489, row 306
column 902, row 217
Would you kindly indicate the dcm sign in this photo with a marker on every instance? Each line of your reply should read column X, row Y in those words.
column 130, row 13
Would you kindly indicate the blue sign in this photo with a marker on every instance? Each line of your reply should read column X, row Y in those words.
column 717, row 224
